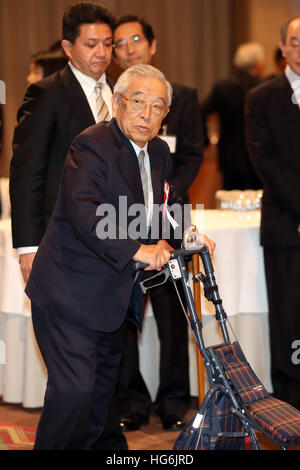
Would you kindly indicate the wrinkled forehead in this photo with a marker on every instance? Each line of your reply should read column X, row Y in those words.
column 293, row 30
column 148, row 87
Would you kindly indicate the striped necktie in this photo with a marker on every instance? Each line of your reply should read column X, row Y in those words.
column 144, row 179
column 102, row 109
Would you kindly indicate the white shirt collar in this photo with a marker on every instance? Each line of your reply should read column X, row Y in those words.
column 137, row 149
column 291, row 75
column 85, row 80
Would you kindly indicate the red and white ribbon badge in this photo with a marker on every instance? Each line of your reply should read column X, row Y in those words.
column 166, row 198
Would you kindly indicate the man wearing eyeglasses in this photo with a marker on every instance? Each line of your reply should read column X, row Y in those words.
column 91, row 293
column 135, row 43
column 273, row 137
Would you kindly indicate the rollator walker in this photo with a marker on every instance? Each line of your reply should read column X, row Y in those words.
column 236, row 404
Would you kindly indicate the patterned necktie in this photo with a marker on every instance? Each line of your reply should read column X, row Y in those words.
column 102, row 109
column 144, row 179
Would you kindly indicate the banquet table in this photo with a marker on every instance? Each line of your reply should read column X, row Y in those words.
column 238, row 263
column 22, row 372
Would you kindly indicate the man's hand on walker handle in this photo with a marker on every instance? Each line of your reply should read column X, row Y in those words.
column 155, row 256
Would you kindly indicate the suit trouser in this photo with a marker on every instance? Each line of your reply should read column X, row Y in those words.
column 82, row 367
column 282, row 266
column 173, row 393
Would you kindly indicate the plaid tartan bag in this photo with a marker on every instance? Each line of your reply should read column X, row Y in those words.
column 239, row 372
column 217, row 418
column 279, row 420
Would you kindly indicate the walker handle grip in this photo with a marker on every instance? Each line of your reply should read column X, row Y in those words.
column 138, row 265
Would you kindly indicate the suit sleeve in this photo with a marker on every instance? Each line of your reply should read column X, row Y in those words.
column 31, row 146
column 189, row 151
column 281, row 184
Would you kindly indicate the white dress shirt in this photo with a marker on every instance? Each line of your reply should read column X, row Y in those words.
column 294, row 80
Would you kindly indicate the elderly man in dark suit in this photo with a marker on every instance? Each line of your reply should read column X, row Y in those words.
column 53, row 112
column 86, row 258
column 135, row 43
column 273, row 136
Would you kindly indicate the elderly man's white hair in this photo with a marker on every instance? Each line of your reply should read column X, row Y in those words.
column 142, row 70
column 248, row 55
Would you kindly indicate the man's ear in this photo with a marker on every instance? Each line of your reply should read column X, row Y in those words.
column 153, row 47
column 282, row 48
column 167, row 112
column 115, row 102
column 67, row 47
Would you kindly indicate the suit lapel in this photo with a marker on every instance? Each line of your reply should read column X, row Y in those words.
column 129, row 167
column 128, row 164
column 76, row 98
column 155, row 164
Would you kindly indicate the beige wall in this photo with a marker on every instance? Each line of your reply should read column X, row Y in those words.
column 189, row 35
column 265, row 20
column 196, row 39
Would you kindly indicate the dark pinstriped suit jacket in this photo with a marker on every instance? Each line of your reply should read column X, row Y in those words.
column 88, row 280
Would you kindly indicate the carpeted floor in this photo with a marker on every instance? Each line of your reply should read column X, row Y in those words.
column 17, row 431
column 14, row 437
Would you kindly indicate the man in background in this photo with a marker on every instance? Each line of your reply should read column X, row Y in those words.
column 227, row 99
column 273, row 137
column 44, row 63
column 135, row 43
column 53, row 112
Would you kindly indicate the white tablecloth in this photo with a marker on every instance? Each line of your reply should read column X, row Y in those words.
column 23, row 376
column 239, row 272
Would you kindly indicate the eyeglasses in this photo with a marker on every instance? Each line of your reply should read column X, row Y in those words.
column 136, row 105
column 134, row 41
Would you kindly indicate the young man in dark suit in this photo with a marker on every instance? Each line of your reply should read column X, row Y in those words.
column 273, row 137
column 134, row 43
column 86, row 258
column 53, row 112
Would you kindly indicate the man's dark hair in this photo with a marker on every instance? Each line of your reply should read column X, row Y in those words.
column 147, row 28
column 285, row 26
column 84, row 13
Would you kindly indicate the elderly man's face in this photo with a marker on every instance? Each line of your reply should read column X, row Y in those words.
column 142, row 125
column 131, row 46
column 291, row 48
